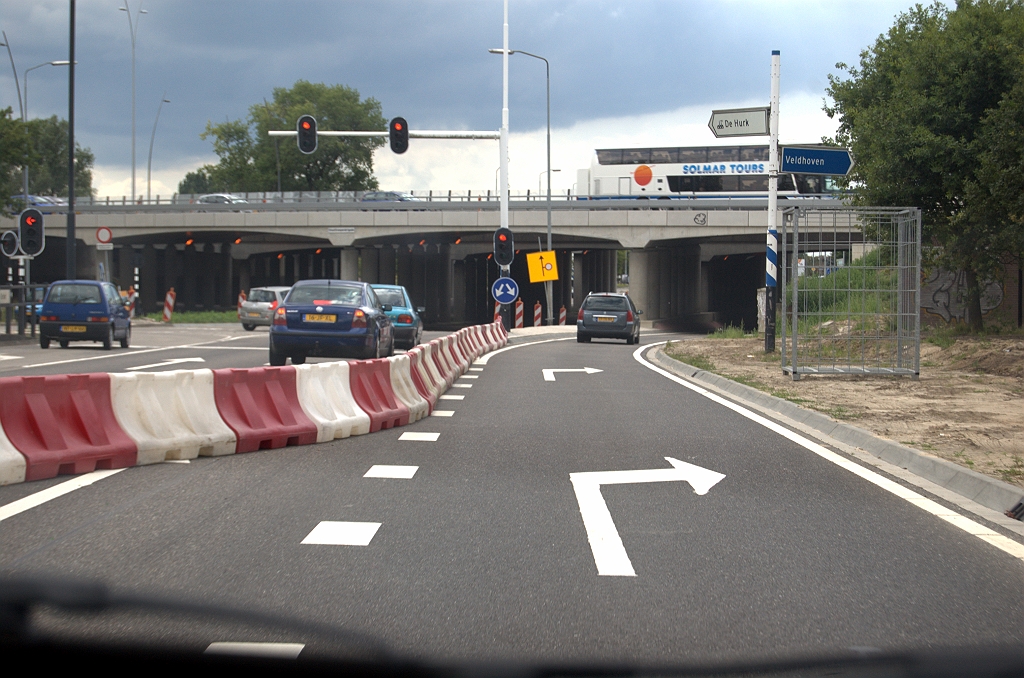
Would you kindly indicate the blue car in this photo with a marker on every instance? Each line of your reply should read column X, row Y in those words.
column 404, row 316
column 84, row 310
column 331, row 319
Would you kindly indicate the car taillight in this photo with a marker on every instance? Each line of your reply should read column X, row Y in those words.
column 580, row 316
column 273, row 304
column 51, row 318
column 405, row 318
column 629, row 316
column 359, row 319
column 279, row 318
column 99, row 319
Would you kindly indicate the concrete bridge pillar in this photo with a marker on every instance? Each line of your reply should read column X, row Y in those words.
column 370, row 268
column 349, row 264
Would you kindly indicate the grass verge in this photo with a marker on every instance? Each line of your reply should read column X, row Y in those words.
column 202, row 317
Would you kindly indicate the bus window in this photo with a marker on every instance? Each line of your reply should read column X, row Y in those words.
column 723, row 154
column 754, row 183
column 753, row 153
column 636, row 156
column 609, row 157
column 786, row 182
column 693, row 155
column 664, row 155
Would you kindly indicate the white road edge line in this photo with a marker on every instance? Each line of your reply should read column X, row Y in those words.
column 43, row 496
column 972, row 527
column 483, row 360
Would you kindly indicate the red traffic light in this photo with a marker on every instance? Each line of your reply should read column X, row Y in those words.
column 502, row 237
column 31, row 221
column 305, row 124
column 398, row 133
column 398, row 126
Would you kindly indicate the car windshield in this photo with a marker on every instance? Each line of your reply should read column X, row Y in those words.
column 606, row 304
column 262, row 296
column 390, row 296
column 336, row 295
column 74, row 294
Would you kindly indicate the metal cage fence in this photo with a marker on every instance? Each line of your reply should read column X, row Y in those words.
column 851, row 285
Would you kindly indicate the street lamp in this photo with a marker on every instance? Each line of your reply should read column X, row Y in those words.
column 542, row 174
column 547, row 68
column 149, row 165
column 133, row 30
column 24, row 111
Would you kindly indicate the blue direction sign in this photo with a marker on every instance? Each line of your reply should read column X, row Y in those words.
column 835, row 161
column 505, row 290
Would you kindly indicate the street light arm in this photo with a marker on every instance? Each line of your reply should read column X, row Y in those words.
column 17, row 86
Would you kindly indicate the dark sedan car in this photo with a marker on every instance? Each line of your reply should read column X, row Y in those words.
column 608, row 316
column 84, row 310
column 331, row 319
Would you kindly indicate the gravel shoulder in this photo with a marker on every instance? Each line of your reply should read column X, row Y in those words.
column 967, row 406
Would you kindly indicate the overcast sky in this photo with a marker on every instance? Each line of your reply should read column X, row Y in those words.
column 630, row 73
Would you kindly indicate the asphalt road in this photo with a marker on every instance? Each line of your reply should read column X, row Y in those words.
column 484, row 553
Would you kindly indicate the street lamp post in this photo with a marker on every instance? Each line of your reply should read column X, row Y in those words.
column 149, row 164
column 542, row 174
column 24, row 111
column 547, row 68
column 133, row 30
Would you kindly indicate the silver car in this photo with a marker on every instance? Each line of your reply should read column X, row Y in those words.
column 608, row 316
column 259, row 308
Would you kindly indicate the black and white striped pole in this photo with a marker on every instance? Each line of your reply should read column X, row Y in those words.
column 772, row 249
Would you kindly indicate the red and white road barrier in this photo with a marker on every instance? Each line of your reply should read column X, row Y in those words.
column 169, row 305
column 561, row 316
column 536, row 315
column 519, row 314
column 497, row 312
column 241, row 298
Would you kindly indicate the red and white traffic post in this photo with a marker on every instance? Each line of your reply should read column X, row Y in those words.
column 561, row 316
column 519, row 314
column 536, row 314
column 169, row 305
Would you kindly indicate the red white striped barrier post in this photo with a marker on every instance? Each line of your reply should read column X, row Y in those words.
column 561, row 316
column 241, row 298
column 519, row 314
column 497, row 312
column 536, row 315
column 169, row 305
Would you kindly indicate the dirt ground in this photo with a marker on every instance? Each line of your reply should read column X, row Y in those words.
column 966, row 407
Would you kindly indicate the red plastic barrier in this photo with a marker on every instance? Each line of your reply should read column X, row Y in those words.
column 443, row 363
column 467, row 339
column 425, row 389
column 261, row 406
column 64, row 423
column 455, row 351
column 371, row 387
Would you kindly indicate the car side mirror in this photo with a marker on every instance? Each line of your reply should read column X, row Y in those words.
column 421, row 309
column 639, row 312
column 386, row 307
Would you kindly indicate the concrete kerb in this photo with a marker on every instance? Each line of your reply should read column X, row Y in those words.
column 988, row 493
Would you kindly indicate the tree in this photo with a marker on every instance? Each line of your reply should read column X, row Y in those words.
column 196, row 182
column 926, row 115
column 48, row 171
column 249, row 157
column 15, row 151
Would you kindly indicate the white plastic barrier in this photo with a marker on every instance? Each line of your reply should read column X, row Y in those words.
column 468, row 349
column 325, row 395
column 443, row 362
column 477, row 336
column 12, row 462
column 405, row 389
column 452, row 348
column 170, row 415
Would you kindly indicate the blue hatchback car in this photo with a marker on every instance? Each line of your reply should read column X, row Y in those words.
column 330, row 319
column 404, row 316
column 84, row 310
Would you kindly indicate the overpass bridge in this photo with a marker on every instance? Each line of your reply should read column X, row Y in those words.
column 693, row 262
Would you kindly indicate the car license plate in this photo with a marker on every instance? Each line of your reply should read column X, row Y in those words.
column 320, row 318
column 72, row 328
column 604, row 318
column 253, row 315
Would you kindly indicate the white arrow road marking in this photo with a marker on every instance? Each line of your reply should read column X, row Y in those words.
column 172, row 361
column 609, row 553
column 276, row 650
column 549, row 375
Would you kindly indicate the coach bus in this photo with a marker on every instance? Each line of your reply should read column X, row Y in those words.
column 692, row 172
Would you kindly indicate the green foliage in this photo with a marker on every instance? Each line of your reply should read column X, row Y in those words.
column 867, row 285
column 249, row 157
column 730, row 332
column 48, row 172
column 193, row 317
column 933, row 115
column 15, row 151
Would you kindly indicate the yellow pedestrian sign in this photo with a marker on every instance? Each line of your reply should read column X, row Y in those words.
column 543, row 266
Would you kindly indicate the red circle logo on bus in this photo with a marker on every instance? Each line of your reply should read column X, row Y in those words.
column 642, row 175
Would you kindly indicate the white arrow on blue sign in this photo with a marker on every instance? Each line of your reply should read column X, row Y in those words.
column 834, row 161
column 505, row 290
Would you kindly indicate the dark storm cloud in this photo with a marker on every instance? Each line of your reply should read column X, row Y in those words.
column 426, row 61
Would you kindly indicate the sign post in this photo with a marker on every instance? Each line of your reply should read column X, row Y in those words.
column 772, row 246
column 740, row 122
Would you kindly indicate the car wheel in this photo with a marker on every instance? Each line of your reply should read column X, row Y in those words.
column 64, row 343
column 277, row 359
column 108, row 341
column 126, row 340
column 298, row 359
column 248, row 327
column 44, row 341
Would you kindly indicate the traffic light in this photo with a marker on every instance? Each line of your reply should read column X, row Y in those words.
column 30, row 232
column 398, row 132
column 306, row 128
column 9, row 244
column 504, row 247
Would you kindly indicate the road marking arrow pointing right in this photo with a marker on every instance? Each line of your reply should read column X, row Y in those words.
column 609, row 553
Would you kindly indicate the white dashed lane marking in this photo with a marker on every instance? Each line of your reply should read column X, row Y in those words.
column 277, row 650
column 391, row 471
column 463, row 385
column 442, row 413
column 421, row 436
column 469, row 376
column 340, row 533
column 452, row 397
